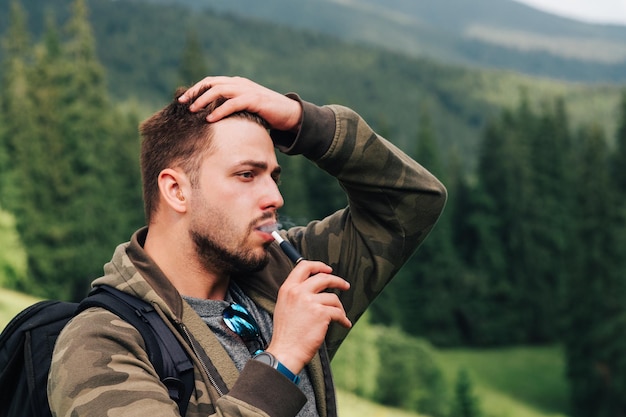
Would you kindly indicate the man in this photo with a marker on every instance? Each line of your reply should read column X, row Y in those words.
column 210, row 179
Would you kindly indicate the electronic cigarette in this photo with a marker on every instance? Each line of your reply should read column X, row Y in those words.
column 288, row 248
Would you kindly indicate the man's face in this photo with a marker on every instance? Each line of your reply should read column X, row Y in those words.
column 237, row 193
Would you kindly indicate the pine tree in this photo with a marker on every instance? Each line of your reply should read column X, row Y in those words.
column 596, row 322
column 423, row 292
column 595, row 341
column 618, row 173
column 12, row 256
column 18, row 126
column 102, row 148
column 502, row 198
column 550, row 223
column 193, row 65
column 518, row 230
column 78, row 177
column 466, row 404
column 16, row 106
column 294, row 190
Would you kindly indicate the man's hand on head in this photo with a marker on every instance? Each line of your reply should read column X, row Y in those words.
column 241, row 94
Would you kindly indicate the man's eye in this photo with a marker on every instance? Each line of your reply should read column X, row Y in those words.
column 247, row 175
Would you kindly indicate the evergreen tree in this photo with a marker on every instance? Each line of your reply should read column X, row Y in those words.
column 18, row 126
column 478, row 313
column 513, row 195
column 618, row 173
column 504, row 196
column 474, row 226
column 465, row 403
column 103, row 148
column 12, row 255
column 482, row 246
column 76, row 169
column 294, row 189
column 16, row 105
column 517, row 234
column 424, row 290
column 596, row 322
column 550, row 223
column 59, row 198
column 595, row 340
column 193, row 65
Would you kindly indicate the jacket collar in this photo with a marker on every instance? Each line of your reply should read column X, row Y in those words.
column 152, row 273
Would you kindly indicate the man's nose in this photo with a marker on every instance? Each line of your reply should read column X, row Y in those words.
column 273, row 197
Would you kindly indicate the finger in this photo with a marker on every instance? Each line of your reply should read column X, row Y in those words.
column 230, row 106
column 195, row 89
column 328, row 299
column 209, row 96
column 338, row 315
column 207, row 90
column 235, row 98
column 304, row 269
column 343, row 321
column 320, row 282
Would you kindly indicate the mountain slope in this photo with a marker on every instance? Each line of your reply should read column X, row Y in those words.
column 486, row 33
column 141, row 44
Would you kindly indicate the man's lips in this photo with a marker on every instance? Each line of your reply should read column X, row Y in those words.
column 268, row 227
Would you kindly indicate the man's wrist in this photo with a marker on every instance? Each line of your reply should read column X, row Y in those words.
column 298, row 114
column 269, row 359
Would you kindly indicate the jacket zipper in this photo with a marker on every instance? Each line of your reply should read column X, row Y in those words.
column 204, row 367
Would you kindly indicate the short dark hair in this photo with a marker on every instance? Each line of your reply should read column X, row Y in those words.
column 175, row 137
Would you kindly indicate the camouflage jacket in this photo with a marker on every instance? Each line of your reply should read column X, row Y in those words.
column 100, row 367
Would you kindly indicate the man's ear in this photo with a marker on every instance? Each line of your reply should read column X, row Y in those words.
column 173, row 184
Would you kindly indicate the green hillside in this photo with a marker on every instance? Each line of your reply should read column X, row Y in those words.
column 514, row 381
column 350, row 405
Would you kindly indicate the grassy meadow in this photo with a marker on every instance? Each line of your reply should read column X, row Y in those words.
column 512, row 382
column 11, row 303
column 508, row 382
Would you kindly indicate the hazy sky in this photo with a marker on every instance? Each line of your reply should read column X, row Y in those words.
column 595, row 11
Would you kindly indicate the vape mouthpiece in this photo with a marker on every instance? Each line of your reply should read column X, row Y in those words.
column 287, row 248
column 277, row 237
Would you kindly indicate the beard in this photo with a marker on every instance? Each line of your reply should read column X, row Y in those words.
column 216, row 257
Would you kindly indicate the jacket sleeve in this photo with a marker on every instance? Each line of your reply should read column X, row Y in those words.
column 394, row 203
column 261, row 390
column 99, row 365
column 100, row 368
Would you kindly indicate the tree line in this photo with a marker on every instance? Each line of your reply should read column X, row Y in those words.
column 527, row 251
column 69, row 157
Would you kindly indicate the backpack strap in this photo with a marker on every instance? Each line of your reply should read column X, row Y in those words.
column 164, row 350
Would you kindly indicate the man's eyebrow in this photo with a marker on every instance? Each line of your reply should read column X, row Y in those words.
column 261, row 165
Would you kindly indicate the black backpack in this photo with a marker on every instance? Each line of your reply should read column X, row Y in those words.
column 27, row 342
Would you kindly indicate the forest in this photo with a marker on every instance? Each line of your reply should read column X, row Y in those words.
column 526, row 253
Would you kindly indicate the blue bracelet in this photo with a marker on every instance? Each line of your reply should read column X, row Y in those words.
column 290, row 375
column 269, row 359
